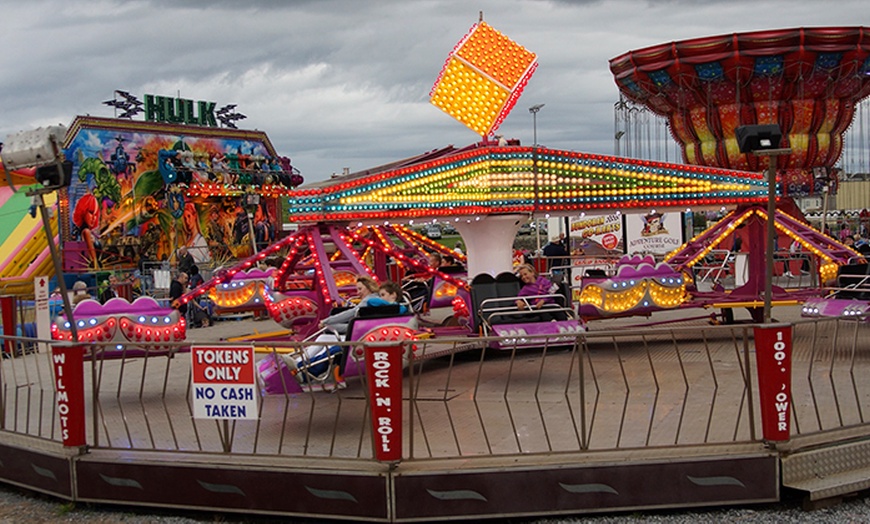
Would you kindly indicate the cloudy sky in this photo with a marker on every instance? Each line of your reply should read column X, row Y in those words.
column 345, row 83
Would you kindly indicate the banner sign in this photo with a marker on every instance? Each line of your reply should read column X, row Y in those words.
column 384, row 374
column 171, row 110
column 224, row 382
column 773, row 358
column 69, row 383
column 605, row 231
column 654, row 233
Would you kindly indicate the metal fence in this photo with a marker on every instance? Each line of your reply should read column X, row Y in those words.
column 619, row 389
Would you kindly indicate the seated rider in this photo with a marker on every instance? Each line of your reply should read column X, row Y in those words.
column 388, row 295
column 418, row 285
column 434, row 261
column 533, row 286
column 367, row 289
column 323, row 348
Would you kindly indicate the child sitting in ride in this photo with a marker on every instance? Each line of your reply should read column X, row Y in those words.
column 371, row 296
column 367, row 290
column 388, row 295
column 535, row 285
column 323, row 350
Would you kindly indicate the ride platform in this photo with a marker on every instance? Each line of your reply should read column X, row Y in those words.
column 661, row 418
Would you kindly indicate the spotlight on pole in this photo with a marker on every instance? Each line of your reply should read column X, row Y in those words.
column 39, row 148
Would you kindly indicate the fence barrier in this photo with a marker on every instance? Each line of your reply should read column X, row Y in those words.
column 601, row 390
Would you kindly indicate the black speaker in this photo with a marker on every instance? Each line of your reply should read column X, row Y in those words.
column 53, row 176
column 757, row 137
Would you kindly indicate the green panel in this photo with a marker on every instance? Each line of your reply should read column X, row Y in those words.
column 11, row 214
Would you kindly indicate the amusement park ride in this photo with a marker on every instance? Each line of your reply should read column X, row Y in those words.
column 806, row 81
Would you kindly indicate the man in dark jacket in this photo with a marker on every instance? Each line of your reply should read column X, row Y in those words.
column 555, row 252
column 184, row 259
column 176, row 289
column 110, row 292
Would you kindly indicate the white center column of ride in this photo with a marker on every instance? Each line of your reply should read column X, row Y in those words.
column 489, row 242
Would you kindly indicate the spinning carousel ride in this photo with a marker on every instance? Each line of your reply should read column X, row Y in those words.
column 807, row 81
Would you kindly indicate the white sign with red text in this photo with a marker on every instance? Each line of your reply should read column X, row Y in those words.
column 43, row 315
column 224, row 382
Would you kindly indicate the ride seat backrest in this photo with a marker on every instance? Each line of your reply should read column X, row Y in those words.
column 391, row 310
column 853, row 275
column 507, row 285
column 565, row 291
column 338, row 309
column 596, row 273
column 367, row 312
column 482, row 288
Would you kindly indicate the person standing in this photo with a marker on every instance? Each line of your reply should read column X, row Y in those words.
column 110, row 291
column 555, row 252
column 176, row 289
column 194, row 277
column 184, row 260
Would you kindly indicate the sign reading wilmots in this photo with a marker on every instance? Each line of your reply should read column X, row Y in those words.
column 175, row 110
column 224, row 385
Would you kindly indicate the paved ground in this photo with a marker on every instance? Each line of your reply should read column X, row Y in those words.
column 17, row 508
column 225, row 329
column 246, row 325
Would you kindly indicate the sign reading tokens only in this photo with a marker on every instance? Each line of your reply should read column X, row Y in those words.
column 224, row 382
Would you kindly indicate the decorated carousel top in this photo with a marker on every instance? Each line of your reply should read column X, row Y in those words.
column 807, row 80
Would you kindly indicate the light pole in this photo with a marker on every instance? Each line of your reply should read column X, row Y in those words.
column 763, row 140
column 534, row 111
column 825, row 190
column 771, row 155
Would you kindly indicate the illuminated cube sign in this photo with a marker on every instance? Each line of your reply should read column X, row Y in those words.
column 482, row 79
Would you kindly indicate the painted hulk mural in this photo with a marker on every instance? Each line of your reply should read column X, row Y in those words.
column 142, row 190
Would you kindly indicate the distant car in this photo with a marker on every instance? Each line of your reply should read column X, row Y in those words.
column 433, row 231
column 525, row 229
column 448, row 229
column 542, row 226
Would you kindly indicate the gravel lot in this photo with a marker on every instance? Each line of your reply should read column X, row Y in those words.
column 17, row 506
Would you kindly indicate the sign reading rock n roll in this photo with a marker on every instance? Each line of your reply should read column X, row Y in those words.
column 224, row 382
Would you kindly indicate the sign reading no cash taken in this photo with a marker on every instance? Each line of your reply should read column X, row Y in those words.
column 224, row 383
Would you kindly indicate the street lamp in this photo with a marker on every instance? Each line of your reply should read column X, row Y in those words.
column 763, row 140
column 534, row 111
